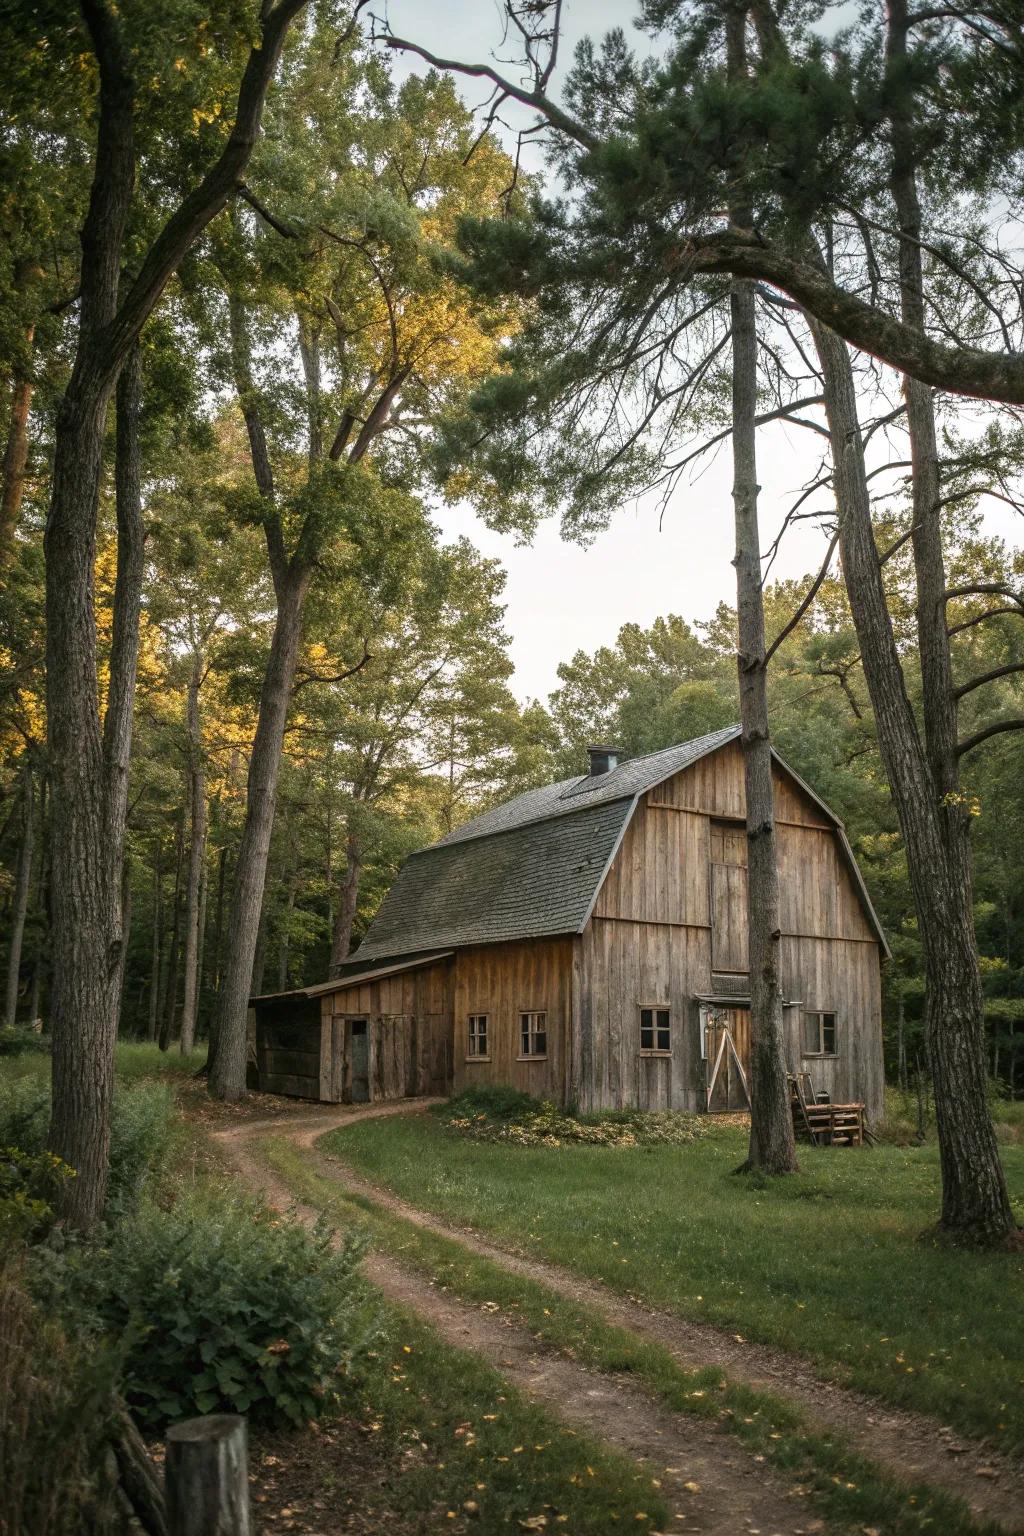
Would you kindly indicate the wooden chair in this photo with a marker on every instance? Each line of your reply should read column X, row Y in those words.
column 825, row 1124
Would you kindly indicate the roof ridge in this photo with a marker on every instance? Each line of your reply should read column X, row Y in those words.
column 517, row 826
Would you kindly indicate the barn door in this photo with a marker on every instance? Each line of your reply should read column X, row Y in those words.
column 727, row 1059
column 728, row 896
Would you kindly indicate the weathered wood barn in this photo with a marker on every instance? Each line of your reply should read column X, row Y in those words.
column 587, row 942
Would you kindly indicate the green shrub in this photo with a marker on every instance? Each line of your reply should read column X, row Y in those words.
column 19, row 1040
column 497, row 1101
column 55, row 1393
column 222, row 1305
column 30, row 1185
column 139, row 1136
column 505, row 1114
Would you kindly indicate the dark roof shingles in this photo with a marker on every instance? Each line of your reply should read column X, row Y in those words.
column 628, row 779
column 531, row 881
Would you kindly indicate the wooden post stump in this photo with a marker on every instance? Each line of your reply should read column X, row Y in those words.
column 207, row 1477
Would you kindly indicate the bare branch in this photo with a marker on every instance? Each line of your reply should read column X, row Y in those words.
column 815, row 588
column 996, row 729
column 987, row 677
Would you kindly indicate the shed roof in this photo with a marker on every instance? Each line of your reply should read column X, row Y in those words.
column 532, row 868
column 369, row 973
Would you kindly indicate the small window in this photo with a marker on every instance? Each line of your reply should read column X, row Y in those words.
column 477, row 1047
column 655, row 1029
column 533, row 1034
column 820, row 1034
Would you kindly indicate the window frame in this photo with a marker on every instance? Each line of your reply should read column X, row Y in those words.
column 820, row 1014
column 531, row 1031
column 654, row 1009
column 471, row 1055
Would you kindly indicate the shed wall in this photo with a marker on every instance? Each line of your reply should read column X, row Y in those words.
column 409, row 1027
column 502, row 981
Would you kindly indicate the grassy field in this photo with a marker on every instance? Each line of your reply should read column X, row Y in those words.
column 850, row 1493
column 829, row 1263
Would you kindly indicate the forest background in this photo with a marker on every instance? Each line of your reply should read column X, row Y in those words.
column 328, row 284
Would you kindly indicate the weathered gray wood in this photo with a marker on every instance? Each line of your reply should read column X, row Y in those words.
column 207, row 1477
column 137, row 1475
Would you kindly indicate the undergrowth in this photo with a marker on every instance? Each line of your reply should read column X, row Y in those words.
column 506, row 1115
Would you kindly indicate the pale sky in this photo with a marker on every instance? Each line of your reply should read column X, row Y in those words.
column 562, row 598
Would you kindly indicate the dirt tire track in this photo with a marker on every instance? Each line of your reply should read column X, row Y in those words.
column 908, row 1446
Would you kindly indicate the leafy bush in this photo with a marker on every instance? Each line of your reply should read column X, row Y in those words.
column 505, row 1114
column 18, row 1040
column 55, row 1394
column 497, row 1101
column 30, row 1184
column 139, row 1137
column 222, row 1306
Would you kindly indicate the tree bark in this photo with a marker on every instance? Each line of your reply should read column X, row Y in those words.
column 954, row 1004
column 227, row 1076
column 341, row 934
column 22, row 886
column 284, row 941
column 89, row 773
column 772, row 1148
column 126, row 929
column 975, row 1204
column 15, row 462
column 169, row 1003
column 156, row 964
column 196, row 857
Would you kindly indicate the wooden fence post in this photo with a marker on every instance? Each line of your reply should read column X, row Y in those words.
column 207, row 1477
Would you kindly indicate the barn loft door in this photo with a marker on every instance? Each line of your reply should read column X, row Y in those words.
column 727, row 1048
column 728, row 896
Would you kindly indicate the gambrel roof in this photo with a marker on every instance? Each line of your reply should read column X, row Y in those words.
column 532, row 868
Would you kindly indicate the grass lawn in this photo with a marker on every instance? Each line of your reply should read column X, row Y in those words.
column 852, row 1494
column 828, row 1263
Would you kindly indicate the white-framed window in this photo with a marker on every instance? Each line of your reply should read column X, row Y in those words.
column 478, row 1039
column 655, row 1029
column 533, row 1036
column 821, row 1034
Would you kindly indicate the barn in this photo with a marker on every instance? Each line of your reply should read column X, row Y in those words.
column 587, row 942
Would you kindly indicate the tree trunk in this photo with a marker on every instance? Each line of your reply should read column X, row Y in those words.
column 196, row 858
column 156, row 965
column 901, row 1044
column 15, row 462
column 89, row 772
column 227, row 1077
column 772, row 1148
column 284, row 941
column 975, row 1205
column 218, row 926
column 204, row 887
column 22, row 885
column 259, row 959
column 126, row 929
column 169, row 1004
column 341, row 936
column 42, row 905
